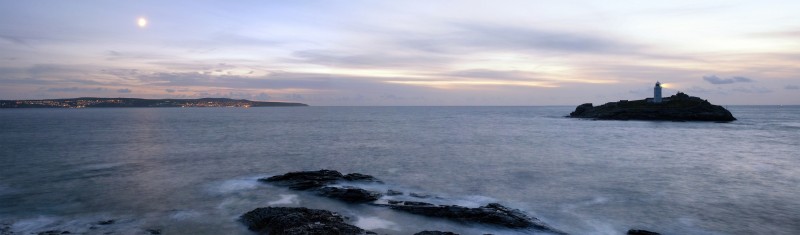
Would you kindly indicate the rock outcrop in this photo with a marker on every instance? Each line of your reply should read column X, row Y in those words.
column 305, row 180
column 319, row 181
column 679, row 107
column 323, row 182
column 349, row 194
column 641, row 232
column 297, row 221
column 491, row 214
column 426, row 232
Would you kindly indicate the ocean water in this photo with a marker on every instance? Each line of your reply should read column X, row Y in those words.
column 194, row 170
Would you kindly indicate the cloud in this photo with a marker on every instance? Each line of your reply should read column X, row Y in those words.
column 514, row 75
column 297, row 97
column 125, row 90
column 697, row 89
column 538, row 39
column 15, row 40
column 381, row 60
column 759, row 90
column 75, row 89
column 791, row 87
column 261, row 96
column 275, row 80
column 785, row 34
column 713, row 79
column 113, row 53
column 170, row 90
column 469, row 37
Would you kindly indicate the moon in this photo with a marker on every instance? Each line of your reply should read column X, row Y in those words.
column 142, row 22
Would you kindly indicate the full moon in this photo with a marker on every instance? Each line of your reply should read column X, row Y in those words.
column 142, row 22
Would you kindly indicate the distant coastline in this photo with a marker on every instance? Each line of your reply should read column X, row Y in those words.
column 94, row 102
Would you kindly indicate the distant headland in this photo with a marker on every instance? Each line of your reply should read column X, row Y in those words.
column 90, row 102
column 679, row 107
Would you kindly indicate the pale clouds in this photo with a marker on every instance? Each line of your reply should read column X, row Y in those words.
column 400, row 52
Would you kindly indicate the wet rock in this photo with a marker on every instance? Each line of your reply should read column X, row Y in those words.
column 106, row 222
column 641, row 232
column 409, row 203
column 419, row 195
column 492, row 214
column 393, row 192
column 53, row 232
column 349, row 194
column 360, row 177
column 5, row 229
column 290, row 219
column 435, row 233
column 297, row 220
column 305, row 180
column 153, row 231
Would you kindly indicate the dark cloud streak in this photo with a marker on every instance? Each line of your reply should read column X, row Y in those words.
column 489, row 36
column 713, row 79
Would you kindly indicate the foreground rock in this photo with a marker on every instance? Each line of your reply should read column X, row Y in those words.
column 435, row 233
column 318, row 182
column 349, row 194
column 492, row 213
column 679, row 107
column 297, row 221
column 321, row 182
column 641, row 232
column 305, row 180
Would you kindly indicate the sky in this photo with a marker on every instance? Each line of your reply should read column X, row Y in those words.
column 426, row 52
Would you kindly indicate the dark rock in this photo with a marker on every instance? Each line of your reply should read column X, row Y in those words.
column 393, row 192
column 360, row 177
column 305, row 180
column 297, row 220
column 349, row 194
column 153, row 231
column 679, row 107
column 281, row 220
column 493, row 214
column 419, row 195
column 5, row 229
column 106, row 222
column 581, row 109
column 409, row 203
column 641, row 232
column 53, row 232
column 435, row 233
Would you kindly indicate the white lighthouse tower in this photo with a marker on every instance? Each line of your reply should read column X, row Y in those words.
column 657, row 93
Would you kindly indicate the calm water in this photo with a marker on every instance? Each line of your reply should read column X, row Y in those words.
column 193, row 171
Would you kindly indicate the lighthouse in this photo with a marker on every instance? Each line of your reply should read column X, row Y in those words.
column 657, row 93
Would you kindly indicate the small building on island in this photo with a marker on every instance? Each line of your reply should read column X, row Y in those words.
column 657, row 95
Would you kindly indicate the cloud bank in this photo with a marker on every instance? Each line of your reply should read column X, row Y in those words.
column 713, row 79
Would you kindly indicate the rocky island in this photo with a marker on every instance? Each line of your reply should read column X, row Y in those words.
column 91, row 102
column 679, row 107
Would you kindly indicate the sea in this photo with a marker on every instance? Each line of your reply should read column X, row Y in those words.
column 195, row 170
